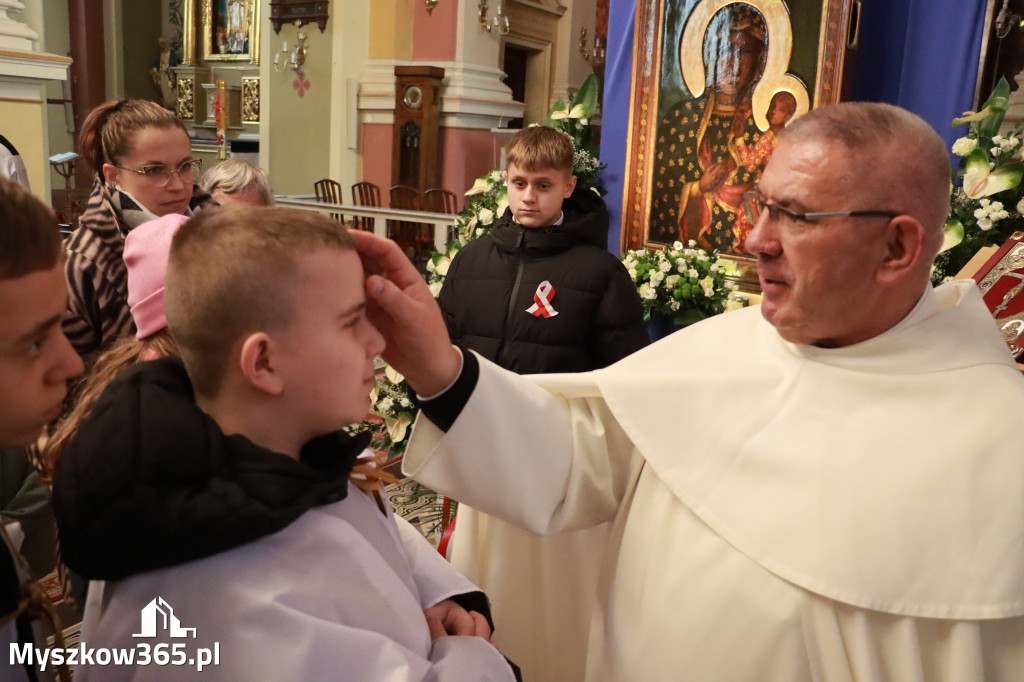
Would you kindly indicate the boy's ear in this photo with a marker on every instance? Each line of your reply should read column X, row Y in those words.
column 570, row 186
column 256, row 361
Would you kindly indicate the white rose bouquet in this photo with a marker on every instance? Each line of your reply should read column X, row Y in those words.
column 684, row 283
column 987, row 198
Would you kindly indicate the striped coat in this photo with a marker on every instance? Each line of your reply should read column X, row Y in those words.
column 96, row 275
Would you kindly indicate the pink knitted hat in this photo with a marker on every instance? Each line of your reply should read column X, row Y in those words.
column 146, row 249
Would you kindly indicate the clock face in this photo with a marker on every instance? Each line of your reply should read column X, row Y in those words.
column 413, row 98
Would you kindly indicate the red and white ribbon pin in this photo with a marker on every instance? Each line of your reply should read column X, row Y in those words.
column 542, row 301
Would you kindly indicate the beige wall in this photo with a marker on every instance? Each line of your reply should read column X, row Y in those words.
column 298, row 152
column 24, row 124
column 56, row 40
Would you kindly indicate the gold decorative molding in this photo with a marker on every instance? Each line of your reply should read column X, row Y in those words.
column 186, row 99
column 251, row 100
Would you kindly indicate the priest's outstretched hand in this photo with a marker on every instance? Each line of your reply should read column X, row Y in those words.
column 401, row 306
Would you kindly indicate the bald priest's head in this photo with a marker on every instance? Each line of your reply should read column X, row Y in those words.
column 848, row 220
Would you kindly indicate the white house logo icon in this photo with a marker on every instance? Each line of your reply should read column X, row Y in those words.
column 169, row 622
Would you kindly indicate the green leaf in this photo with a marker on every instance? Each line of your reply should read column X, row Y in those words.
column 952, row 234
column 997, row 104
column 586, row 98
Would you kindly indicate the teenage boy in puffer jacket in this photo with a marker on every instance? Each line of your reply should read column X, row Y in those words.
column 540, row 294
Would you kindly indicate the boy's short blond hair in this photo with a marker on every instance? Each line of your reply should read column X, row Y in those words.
column 540, row 148
column 228, row 277
column 234, row 176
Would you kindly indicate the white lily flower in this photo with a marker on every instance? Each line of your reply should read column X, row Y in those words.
column 392, row 374
column 480, row 186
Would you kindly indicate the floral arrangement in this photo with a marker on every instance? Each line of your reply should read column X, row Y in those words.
column 573, row 119
column 684, row 283
column 391, row 400
column 437, row 266
column 488, row 197
column 987, row 201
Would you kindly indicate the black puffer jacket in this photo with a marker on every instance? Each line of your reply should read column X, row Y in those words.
column 150, row 481
column 492, row 281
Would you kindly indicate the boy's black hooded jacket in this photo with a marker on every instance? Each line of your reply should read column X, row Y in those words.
column 150, row 481
column 492, row 281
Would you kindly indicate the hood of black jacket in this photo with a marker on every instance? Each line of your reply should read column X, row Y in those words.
column 585, row 222
column 151, row 481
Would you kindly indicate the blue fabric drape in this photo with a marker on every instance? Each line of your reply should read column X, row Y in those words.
column 919, row 54
column 922, row 55
column 618, row 74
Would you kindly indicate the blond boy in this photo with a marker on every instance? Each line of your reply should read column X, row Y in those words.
column 540, row 294
column 217, row 495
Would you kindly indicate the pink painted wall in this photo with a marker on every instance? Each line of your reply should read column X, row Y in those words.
column 377, row 157
column 434, row 34
column 466, row 155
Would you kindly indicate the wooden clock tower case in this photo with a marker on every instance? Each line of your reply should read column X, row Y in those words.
column 415, row 147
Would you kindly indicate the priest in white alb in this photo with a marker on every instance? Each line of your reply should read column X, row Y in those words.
column 828, row 486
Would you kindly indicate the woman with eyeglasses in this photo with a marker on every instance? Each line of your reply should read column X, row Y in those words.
column 142, row 156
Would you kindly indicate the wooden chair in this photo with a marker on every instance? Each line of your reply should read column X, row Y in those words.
column 439, row 200
column 404, row 196
column 414, row 238
column 329, row 192
column 365, row 194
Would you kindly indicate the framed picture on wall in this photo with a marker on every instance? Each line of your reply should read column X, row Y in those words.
column 231, row 30
column 714, row 81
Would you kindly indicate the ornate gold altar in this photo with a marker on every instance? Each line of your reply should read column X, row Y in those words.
column 221, row 45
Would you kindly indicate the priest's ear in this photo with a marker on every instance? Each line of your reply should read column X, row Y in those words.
column 906, row 246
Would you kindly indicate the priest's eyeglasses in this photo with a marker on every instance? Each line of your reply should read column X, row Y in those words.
column 161, row 175
column 754, row 203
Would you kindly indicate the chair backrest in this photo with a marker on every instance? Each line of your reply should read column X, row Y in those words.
column 404, row 196
column 439, row 200
column 327, row 191
column 366, row 194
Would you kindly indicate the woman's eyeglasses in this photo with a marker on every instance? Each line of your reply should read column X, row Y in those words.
column 161, row 175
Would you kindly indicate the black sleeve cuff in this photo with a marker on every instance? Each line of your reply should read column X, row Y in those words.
column 446, row 408
column 475, row 601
